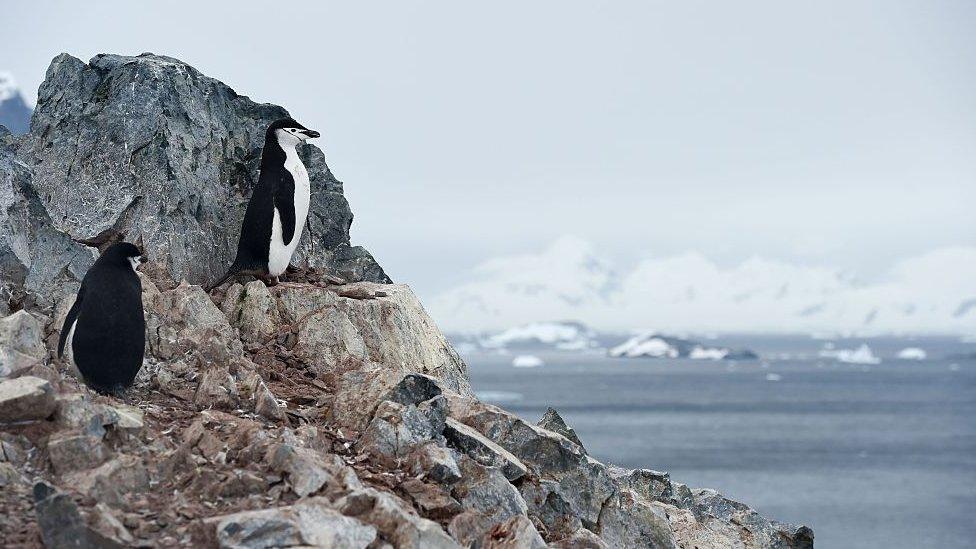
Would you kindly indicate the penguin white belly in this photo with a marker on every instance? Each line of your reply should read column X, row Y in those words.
column 69, row 351
column 279, row 253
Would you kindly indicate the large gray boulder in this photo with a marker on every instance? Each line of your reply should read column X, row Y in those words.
column 150, row 147
column 38, row 262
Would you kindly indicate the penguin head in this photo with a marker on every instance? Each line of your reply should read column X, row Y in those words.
column 289, row 132
column 123, row 254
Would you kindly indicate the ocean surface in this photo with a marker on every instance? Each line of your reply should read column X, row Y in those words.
column 869, row 456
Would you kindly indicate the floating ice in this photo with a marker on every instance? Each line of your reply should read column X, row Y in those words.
column 912, row 353
column 527, row 361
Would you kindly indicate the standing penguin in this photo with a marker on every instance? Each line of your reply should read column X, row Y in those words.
column 276, row 213
column 105, row 330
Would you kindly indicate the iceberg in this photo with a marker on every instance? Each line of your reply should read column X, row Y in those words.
column 654, row 345
column 861, row 355
column 527, row 361
column 912, row 353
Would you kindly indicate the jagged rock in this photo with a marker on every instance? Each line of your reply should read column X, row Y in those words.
column 746, row 525
column 395, row 520
column 61, row 524
column 217, row 389
column 582, row 481
column 26, row 398
column 629, row 521
column 112, row 481
column 585, row 539
column 150, row 147
column 485, row 489
column 21, row 343
column 434, row 462
column 469, row 527
column 105, row 522
column 554, row 422
column 397, row 429
column 38, row 263
column 74, row 452
column 364, row 348
column 309, row 471
column 515, row 533
column 550, row 509
column 309, row 522
column 708, row 534
column 253, row 310
column 432, row 500
column 183, row 323
column 649, row 484
column 129, row 419
column 9, row 475
column 76, row 411
column 262, row 401
column 469, row 441
column 14, row 448
column 414, row 389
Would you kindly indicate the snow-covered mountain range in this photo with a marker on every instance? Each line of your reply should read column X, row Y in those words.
column 15, row 113
column 930, row 293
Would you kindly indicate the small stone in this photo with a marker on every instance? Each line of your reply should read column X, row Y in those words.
column 309, row 471
column 130, row 418
column 432, row 500
column 265, row 404
column 395, row 519
column 9, row 475
column 112, row 481
column 217, row 389
column 26, row 398
column 581, row 539
column 435, row 462
column 76, row 411
column 74, row 452
column 517, row 532
column 23, row 333
column 308, row 523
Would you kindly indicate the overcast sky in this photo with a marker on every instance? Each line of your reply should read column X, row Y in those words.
column 833, row 133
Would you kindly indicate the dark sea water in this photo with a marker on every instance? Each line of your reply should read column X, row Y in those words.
column 869, row 456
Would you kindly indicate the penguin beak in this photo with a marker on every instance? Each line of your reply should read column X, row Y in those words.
column 311, row 134
column 143, row 259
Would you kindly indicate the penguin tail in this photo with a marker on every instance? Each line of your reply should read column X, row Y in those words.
column 220, row 281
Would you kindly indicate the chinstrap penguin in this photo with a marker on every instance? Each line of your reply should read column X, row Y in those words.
column 105, row 330
column 276, row 214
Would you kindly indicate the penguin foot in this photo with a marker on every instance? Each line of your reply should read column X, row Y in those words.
column 268, row 280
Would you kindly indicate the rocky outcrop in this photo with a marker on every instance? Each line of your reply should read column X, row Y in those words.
column 373, row 437
column 307, row 414
column 38, row 262
column 149, row 147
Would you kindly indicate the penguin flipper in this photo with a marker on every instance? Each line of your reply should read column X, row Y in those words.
column 284, row 202
column 70, row 320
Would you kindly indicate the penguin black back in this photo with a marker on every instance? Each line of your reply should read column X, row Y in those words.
column 106, row 326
